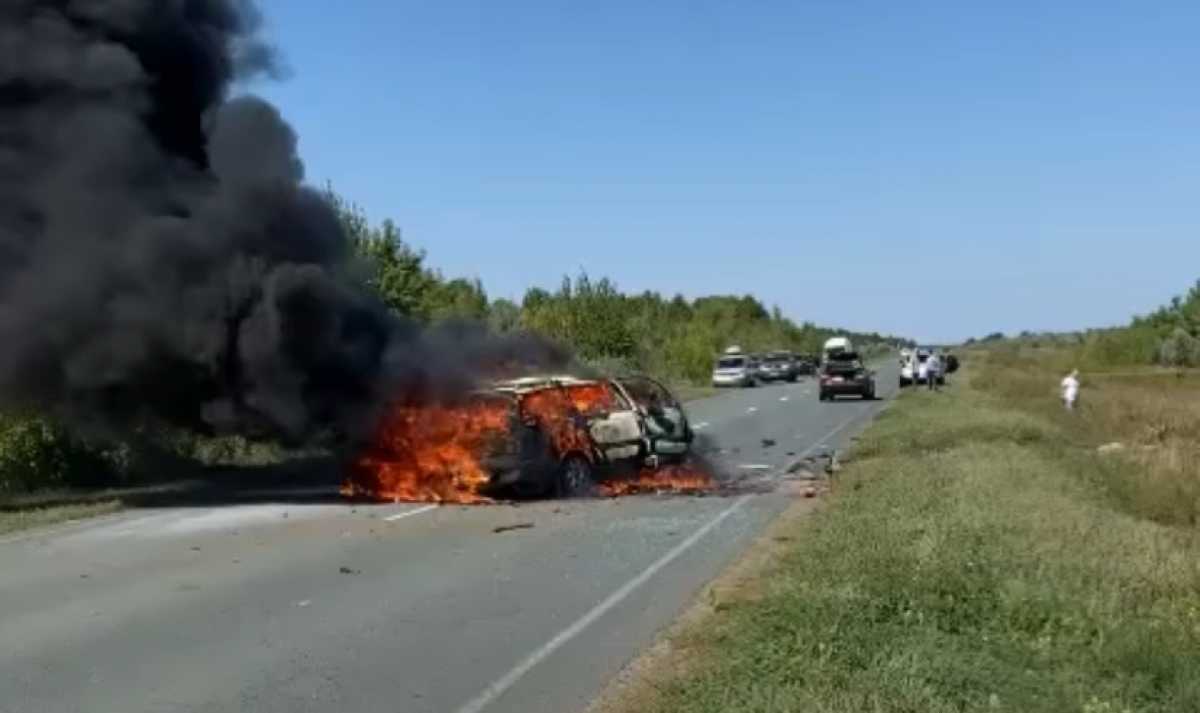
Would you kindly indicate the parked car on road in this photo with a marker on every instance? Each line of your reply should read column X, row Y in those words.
column 910, row 368
column 779, row 366
column 735, row 370
column 836, row 345
column 844, row 373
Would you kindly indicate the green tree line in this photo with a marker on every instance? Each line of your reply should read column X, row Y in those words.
column 1168, row 336
column 670, row 336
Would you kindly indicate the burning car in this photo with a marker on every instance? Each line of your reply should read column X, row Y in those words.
column 535, row 436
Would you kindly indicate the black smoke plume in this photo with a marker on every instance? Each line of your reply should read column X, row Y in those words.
column 160, row 258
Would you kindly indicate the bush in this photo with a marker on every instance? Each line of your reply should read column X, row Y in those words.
column 1179, row 349
column 37, row 454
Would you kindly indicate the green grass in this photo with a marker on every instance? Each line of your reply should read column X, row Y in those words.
column 25, row 519
column 970, row 559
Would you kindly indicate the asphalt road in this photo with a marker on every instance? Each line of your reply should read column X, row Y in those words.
column 397, row 608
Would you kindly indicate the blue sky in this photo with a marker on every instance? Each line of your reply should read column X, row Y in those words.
column 932, row 169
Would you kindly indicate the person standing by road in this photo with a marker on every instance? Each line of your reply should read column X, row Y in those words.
column 933, row 370
column 1070, row 389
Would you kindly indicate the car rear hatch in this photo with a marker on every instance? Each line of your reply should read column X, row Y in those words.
column 843, row 370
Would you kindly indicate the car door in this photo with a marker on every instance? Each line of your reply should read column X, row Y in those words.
column 613, row 422
column 666, row 424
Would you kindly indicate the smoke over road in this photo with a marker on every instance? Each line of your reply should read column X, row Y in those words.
column 159, row 256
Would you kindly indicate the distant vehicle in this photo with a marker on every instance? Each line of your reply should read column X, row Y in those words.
column 779, row 366
column 910, row 369
column 755, row 367
column 735, row 370
column 843, row 373
column 836, row 345
column 808, row 363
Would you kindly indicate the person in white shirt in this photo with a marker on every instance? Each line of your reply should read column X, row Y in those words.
column 933, row 370
column 1070, row 389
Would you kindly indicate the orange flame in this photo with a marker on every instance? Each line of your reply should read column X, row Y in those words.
column 562, row 414
column 682, row 478
column 435, row 453
column 430, row 454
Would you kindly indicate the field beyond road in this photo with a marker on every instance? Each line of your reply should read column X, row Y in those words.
column 980, row 552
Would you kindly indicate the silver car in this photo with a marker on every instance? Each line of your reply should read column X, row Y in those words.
column 735, row 370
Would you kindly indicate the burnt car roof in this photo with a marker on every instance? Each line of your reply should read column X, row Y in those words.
column 537, row 383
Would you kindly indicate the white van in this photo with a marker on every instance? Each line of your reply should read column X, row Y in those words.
column 835, row 345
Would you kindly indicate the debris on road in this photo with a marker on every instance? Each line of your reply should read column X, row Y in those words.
column 810, row 492
column 1113, row 447
column 347, row 570
column 509, row 528
column 768, row 442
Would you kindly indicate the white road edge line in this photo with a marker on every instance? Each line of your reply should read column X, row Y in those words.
column 409, row 513
column 698, row 426
column 508, row 680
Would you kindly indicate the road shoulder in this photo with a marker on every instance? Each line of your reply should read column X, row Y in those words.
column 969, row 558
column 636, row 687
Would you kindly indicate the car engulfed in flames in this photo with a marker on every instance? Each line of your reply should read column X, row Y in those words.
column 537, row 436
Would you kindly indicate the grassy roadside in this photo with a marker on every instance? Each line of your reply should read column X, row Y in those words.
column 977, row 554
column 28, row 518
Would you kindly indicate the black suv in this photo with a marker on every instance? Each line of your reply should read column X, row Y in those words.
column 842, row 374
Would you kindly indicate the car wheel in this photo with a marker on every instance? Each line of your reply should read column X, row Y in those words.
column 575, row 478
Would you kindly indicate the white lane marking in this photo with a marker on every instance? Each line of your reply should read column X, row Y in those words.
column 508, row 680
column 783, row 398
column 752, row 409
column 698, row 426
column 409, row 513
column 754, row 466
